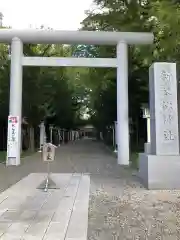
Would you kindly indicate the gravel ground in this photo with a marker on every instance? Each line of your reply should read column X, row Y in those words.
column 122, row 209
column 119, row 208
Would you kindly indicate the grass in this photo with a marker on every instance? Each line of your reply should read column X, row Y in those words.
column 3, row 155
column 134, row 156
column 134, row 160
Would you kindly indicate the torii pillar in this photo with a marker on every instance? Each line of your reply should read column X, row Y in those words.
column 36, row 36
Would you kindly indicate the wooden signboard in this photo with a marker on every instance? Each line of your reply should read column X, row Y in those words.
column 49, row 152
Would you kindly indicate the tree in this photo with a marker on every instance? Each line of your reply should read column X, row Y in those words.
column 124, row 15
column 49, row 94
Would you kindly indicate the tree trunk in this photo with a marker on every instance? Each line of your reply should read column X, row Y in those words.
column 31, row 142
column 22, row 136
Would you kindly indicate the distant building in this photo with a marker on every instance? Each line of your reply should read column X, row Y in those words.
column 1, row 19
column 88, row 131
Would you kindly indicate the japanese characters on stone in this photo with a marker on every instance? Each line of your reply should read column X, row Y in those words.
column 166, row 105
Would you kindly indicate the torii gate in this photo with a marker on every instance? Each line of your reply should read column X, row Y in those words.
column 121, row 39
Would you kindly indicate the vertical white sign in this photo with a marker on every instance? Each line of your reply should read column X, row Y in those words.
column 13, row 131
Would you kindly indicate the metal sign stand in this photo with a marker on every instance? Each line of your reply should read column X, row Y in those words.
column 48, row 183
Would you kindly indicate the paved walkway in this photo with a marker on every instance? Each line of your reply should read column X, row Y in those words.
column 119, row 207
column 39, row 215
column 81, row 157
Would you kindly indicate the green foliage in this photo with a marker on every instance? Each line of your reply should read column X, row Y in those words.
column 4, row 81
column 48, row 93
column 60, row 94
column 160, row 17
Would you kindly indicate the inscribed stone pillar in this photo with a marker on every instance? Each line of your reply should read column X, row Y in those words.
column 160, row 168
column 163, row 109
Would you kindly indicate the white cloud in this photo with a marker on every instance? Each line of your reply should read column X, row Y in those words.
column 58, row 14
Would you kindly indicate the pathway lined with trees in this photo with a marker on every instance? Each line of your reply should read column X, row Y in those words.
column 61, row 95
column 120, row 208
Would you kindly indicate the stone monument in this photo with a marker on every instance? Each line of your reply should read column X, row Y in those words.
column 146, row 115
column 160, row 168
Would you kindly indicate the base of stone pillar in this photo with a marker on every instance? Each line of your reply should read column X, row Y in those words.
column 11, row 162
column 159, row 172
column 147, row 148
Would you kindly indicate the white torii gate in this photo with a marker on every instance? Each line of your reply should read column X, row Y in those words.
column 121, row 39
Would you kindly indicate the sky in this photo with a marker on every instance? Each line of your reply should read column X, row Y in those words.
column 57, row 14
